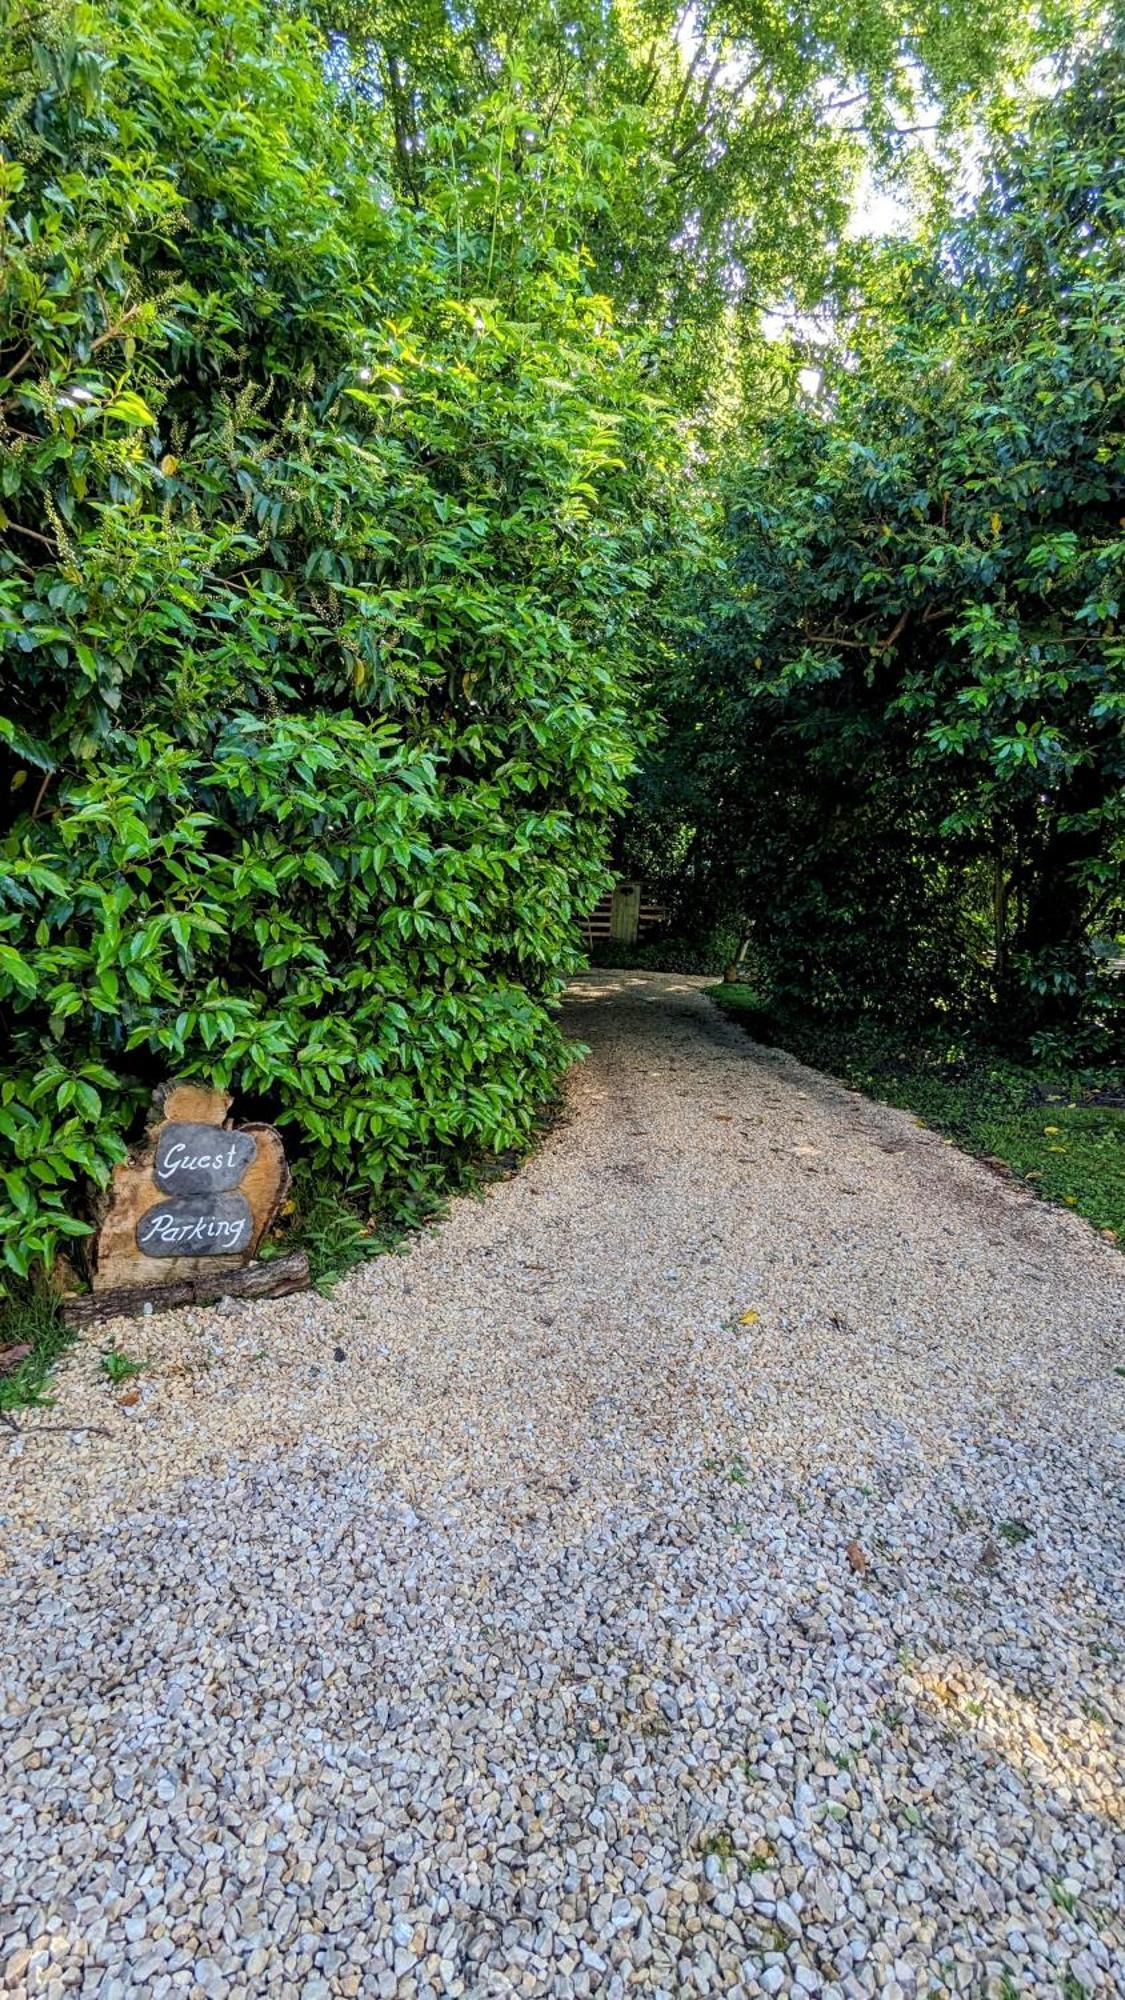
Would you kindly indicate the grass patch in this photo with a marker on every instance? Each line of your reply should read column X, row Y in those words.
column 1042, row 1125
column 721, row 1845
column 1014, row 1532
column 31, row 1319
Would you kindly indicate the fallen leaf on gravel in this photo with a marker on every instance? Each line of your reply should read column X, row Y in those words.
column 989, row 1556
column 10, row 1357
column 750, row 1318
column 130, row 1397
column 857, row 1559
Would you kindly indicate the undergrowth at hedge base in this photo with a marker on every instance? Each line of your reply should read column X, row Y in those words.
column 334, row 552
column 331, row 1222
column 1047, row 1127
column 665, row 955
column 30, row 1317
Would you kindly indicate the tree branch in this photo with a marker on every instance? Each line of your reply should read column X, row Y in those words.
column 861, row 645
column 35, row 535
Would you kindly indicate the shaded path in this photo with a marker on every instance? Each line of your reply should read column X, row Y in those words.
column 575, row 1632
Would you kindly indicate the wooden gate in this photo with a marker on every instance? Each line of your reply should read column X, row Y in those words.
column 623, row 916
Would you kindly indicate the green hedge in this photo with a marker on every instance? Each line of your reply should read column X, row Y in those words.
column 897, row 751
column 327, row 541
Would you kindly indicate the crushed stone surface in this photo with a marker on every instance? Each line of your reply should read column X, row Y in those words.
column 695, row 1568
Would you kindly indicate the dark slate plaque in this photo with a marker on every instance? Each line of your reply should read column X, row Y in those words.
column 201, row 1159
column 196, row 1225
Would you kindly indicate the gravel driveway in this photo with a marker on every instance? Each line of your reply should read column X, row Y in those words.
column 696, row 1568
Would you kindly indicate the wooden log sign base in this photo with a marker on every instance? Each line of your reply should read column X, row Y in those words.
column 188, row 1210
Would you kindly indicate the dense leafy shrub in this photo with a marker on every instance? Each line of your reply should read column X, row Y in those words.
column 328, row 537
column 901, row 744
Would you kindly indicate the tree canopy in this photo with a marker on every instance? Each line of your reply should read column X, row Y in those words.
column 711, row 150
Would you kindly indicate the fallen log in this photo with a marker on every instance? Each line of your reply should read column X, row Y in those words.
column 266, row 1278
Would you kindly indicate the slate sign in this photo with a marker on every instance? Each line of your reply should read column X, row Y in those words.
column 198, row 1166
column 196, row 1225
column 197, row 1189
column 201, row 1159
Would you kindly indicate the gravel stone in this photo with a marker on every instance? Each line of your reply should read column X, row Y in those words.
column 608, row 1595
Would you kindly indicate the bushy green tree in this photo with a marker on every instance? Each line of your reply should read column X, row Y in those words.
column 902, row 743
column 713, row 149
column 329, row 536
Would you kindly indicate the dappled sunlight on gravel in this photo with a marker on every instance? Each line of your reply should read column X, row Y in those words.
column 1041, row 1739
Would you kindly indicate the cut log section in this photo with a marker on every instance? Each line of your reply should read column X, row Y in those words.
column 267, row 1278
